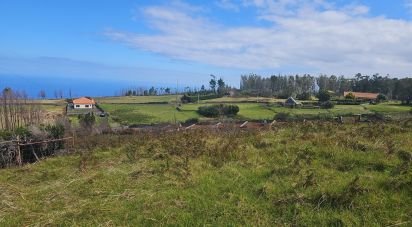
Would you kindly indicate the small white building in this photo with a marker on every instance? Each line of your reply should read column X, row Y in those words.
column 83, row 103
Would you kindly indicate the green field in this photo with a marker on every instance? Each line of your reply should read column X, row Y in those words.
column 167, row 113
column 139, row 99
column 242, row 99
column 296, row 175
column 152, row 109
column 390, row 107
column 149, row 113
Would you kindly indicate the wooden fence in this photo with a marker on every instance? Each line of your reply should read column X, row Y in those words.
column 18, row 152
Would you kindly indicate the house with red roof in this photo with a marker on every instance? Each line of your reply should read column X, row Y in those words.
column 84, row 103
column 362, row 95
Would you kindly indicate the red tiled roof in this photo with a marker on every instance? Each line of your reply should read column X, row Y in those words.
column 84, row 101
column 362, row 95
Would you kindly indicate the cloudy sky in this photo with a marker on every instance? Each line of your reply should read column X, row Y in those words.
column 137, row 41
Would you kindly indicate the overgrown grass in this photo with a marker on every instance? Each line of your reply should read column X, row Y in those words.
column 309, row 174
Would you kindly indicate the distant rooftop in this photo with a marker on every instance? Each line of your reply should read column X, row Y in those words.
column 362, row 95
column 84, row 101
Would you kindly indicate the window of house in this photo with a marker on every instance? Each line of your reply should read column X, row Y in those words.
column 77, row 105
column 87, row 106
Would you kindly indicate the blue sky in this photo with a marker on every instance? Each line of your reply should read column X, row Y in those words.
column 161, row 42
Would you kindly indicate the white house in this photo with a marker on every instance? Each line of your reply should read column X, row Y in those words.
column 83, row 103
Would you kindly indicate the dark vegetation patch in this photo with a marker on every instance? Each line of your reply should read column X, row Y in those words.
column 218, row 110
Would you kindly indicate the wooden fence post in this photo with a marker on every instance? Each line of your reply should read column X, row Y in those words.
column 74, row 150
column 18, row 155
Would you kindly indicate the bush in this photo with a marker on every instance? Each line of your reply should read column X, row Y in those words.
column 192, row 121
column 304, row 96
column 327, row 105
column 230, row 110
column 282, row 116
column 87, row 120
column 382, row 97
column 218, row 110
column 323, row 96
column 208, row 111
column 55, row 131
column 187, row 98
column 350, row 96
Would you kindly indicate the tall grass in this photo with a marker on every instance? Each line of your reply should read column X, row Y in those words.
column 311, row 174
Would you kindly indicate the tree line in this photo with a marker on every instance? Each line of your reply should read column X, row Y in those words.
column 304, row 86
column 16, row 110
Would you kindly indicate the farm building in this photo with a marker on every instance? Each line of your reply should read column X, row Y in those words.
column 83, row 103
column 362, row 95
column 291, row 102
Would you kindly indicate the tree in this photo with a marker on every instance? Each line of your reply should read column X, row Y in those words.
column 152, row 91
column 167, row 90
column 212, row 83
column 42, row 94
column 323, row 96
column 381, row 97
column 220, row 86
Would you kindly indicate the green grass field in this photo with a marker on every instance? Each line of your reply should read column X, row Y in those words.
column 167, row 113
column 149, row 113
column 137, row 110
column 138, row 99
column 390, row 107
column 296, row 175
column 242, row 99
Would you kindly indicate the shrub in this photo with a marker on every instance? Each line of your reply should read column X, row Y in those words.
column 282, row 116
column 185, row 99
column 218, row 110
column 208, row 111
column 350, row 96
column 55, row 131
column 87, row 121
column 382, row 97
column 323, row 96
column 327, row 105
column 230, row 110
column 192, row 121
column 304, row 96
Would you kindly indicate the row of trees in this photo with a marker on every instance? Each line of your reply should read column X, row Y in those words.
column 141, row 91
column 16, row 110
column 216, row 86
column 58, row 94
column 279, row 86
column 306, row 85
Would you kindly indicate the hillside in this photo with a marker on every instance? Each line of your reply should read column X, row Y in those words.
column 296, row 174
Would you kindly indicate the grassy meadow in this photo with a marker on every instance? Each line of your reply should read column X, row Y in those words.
column 129, row 110
column 167, row 113
column 313, row 174
column 139, row 99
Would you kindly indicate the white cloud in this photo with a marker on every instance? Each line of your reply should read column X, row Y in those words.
column 408, row 5
column 304, row 33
